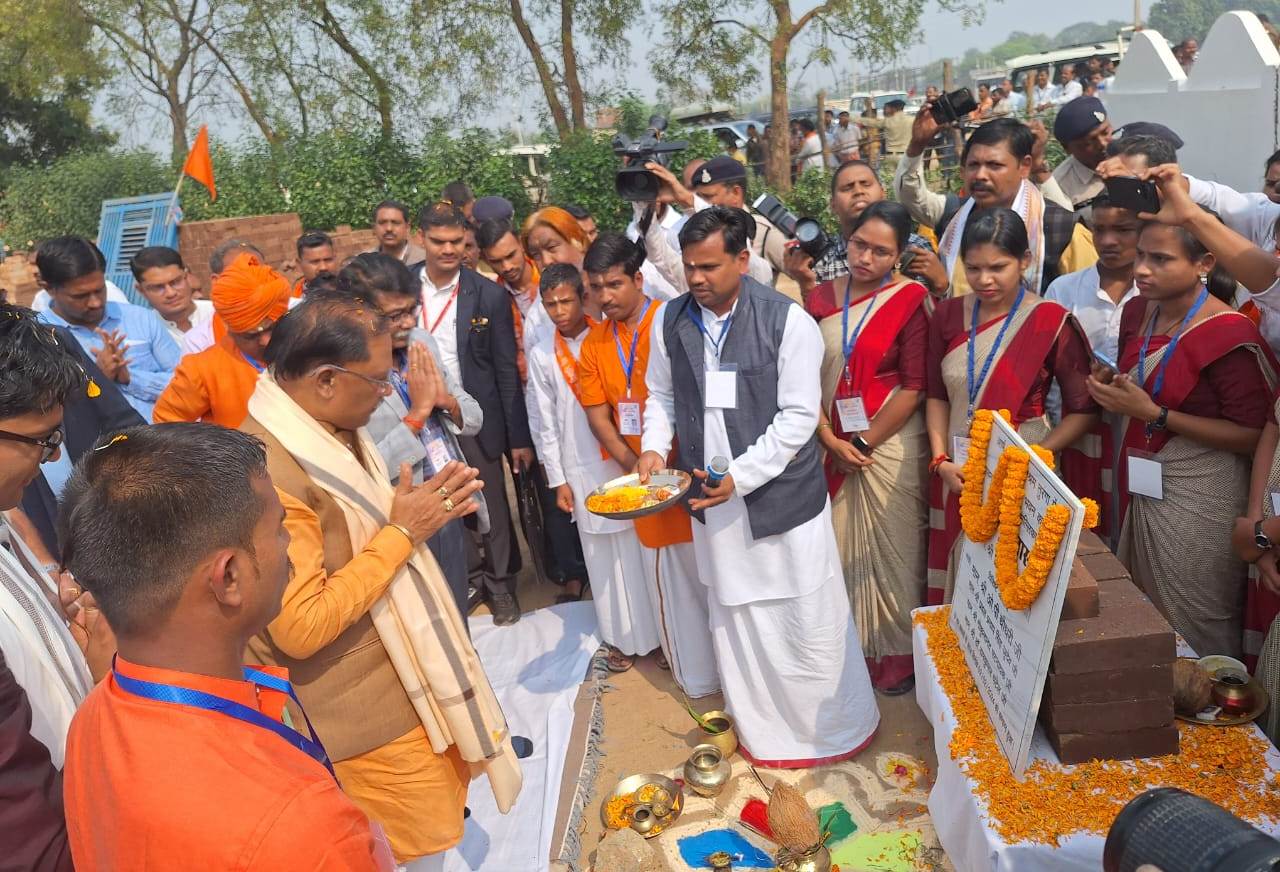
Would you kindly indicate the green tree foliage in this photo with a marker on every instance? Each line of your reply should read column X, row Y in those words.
column 35, row 130
column 335, row 178
column 67, row 195
column 48, row 75
column 1179, row 19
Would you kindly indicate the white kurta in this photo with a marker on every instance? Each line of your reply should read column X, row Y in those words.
column 570, row 455
column 37, row 647
column 790, row 659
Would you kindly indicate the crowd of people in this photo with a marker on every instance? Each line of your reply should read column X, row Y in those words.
column 272, row 511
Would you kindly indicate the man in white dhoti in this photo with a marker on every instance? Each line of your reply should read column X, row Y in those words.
column 575, row 466
column 612, row 366
column 734, row 374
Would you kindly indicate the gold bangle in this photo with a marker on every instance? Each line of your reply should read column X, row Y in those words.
column 824, row 426
column 405, row 530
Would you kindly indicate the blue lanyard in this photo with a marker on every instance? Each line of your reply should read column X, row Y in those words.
column 259, row 367
column 198, row 699
column 702, row 328
column 1173, row 344
column 628, row 363
column 851, row 341
column 975, row 386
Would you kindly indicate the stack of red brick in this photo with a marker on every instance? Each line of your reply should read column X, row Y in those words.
column 1109, row 691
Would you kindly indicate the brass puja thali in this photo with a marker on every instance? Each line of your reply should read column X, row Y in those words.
column 646, row 803
column 1238, row 697
column 625, row 498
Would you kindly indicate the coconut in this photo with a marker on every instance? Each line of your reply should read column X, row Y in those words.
column 1192, row 687
column 794, row 824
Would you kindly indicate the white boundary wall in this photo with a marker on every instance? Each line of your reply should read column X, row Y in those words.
column 1226, row 111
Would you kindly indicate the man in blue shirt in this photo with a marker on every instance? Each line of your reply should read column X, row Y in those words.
column 130, row 344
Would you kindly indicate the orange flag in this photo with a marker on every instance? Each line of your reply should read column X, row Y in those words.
column 199, row 164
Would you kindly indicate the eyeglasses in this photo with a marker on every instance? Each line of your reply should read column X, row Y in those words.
column 50, row 443
column 402, row 314
column 381, row 385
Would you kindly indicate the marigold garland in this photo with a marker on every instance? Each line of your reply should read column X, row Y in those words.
column 1001, row 512
column 1226, row 765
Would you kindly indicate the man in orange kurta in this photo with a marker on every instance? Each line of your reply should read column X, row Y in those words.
column 613, row 361
column 232, row 780
column 214, row 385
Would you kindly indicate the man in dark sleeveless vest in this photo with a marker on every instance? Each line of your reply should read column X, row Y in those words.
column 734, row 376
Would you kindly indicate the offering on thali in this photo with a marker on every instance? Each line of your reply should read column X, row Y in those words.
column 629, row 498
column 647, row 804
column 625, row 498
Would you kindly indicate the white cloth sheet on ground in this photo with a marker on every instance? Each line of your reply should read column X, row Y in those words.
column 959, row 817
column 535, row 668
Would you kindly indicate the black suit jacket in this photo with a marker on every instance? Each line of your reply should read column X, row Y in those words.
column 84, row 419
column 487, row 358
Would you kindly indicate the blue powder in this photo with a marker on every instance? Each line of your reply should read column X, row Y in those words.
column 695, row 850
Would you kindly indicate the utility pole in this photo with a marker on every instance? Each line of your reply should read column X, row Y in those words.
column 1137, row 14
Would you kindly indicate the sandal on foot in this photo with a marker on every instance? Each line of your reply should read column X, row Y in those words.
column 616, row 661
column 661, row 660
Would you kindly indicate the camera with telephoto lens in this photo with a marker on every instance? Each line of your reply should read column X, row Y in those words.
column 807, row 232
column 633, row 182
column 1176, row 831
column 951, row 107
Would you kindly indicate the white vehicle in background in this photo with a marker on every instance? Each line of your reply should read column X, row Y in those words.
column 722, row 129
column 858, row 101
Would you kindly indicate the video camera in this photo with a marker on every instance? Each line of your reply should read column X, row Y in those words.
column 634, row 182
column 953, row 107
column 807, row 232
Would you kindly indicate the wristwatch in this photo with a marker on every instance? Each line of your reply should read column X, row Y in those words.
column 862, row 445
column 1261, row 539
column 1162, row 420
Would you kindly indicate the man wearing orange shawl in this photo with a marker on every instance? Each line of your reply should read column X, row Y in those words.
column 215, row 384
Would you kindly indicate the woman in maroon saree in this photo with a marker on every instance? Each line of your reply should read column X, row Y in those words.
column 1000, row 347
column 875, row 334
column 1196, row 384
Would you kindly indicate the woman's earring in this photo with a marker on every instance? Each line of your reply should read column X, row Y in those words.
column 1204, row 279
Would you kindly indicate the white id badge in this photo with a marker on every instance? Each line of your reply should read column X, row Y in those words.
column 853, row 414
column 722, row 387
column 1146, row 475
column 959, row 449
column 1275, row 504
column 629, row 418
column 438, row 453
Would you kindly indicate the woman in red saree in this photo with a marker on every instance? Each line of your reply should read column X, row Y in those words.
column 1196, row 384
column 1000, row 348
column 876, row 335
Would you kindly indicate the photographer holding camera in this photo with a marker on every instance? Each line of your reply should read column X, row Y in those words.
column 854, row 187
column 721, row 181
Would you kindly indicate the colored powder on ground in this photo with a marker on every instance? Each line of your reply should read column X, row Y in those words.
column 694, row 850
column 884, row 852
column 835, row 819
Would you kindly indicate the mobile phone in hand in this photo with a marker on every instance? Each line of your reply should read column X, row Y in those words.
column 1135, row 194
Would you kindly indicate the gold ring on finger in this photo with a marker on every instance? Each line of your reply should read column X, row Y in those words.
column 448, row 504
column 444, row 491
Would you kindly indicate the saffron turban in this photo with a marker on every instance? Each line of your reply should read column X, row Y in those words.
column 248, row 292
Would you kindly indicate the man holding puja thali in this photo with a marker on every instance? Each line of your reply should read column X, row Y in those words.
column 741, row 362
column 612, row 367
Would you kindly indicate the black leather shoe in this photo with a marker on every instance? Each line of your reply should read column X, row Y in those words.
column 505, row 608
